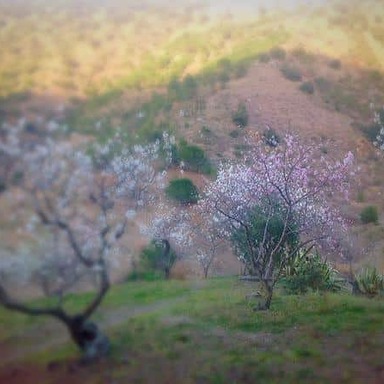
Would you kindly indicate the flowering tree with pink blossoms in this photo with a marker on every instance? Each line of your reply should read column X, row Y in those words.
column 76, row 213
column 276, row 203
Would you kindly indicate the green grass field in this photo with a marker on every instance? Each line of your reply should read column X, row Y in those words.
column 206, row 332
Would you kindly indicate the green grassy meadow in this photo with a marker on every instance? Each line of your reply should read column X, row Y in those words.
column 206, row 332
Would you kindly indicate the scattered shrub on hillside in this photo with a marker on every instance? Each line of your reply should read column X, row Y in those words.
column 334, row 64
column 271, row 137
column 291, row 73
column 323, row 84
column 234, row 134
column 370, row 281
column 182, row 90
column 374, row 132
column 240, row 116
column 302, row 55
column 307, row 87
column 310, row 273
column 183, row 191
column 369, row 214
column 192, row 157
column 370, row 131
column 277, row 53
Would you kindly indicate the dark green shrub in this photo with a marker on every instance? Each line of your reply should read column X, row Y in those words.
column 369, row 214
column 372, row 131
column 277, row 53
column 307, row 87
column 155, row 262
column 254, row 243
column 240, row 116
column 183, row 191
column 309, row 273
column 370, row 281
column 193, row 157
column 291, row 73
column 271, row 137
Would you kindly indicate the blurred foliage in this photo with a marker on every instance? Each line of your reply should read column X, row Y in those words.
column 370, row 281
column 369, row 214
column 182, row 191
column 309, row 272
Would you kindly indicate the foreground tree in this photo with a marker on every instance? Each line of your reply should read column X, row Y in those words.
column 79, row 213
column 275, row 204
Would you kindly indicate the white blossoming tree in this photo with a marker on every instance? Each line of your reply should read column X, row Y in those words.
column 169, row 226
column 78, row 212
column 275, row 204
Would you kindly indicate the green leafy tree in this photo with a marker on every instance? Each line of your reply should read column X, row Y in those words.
column 158, row 257
column 264, row 232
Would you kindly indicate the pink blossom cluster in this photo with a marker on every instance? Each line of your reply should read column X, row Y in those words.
column 297, row 176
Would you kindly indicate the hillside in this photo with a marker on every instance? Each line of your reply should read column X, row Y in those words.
column 89, row 69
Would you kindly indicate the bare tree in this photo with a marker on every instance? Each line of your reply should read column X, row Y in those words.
column 206, row 241
column 80, row 214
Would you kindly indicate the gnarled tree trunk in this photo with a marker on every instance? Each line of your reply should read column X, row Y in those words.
column 85, row 333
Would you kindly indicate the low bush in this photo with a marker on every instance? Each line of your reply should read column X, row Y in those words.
column 310, row 273
column 291, row 73
column 271, row 137
column 154, row 263
column 193, row 158
column 240, row 116
column 370, row 281
column 307, row 87
column 182, row 191
column 369, row 214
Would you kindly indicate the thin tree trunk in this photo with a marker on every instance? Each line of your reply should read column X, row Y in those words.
column 267, row 296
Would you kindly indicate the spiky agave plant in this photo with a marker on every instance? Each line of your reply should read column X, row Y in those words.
column 370, row 281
